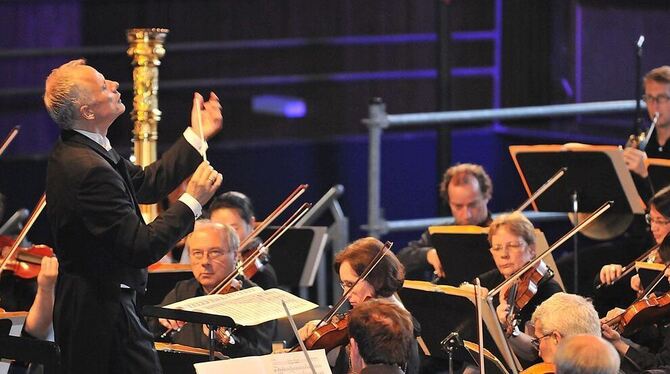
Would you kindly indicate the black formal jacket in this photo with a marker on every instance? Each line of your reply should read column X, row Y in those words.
column 102, row 241
column 249, row 340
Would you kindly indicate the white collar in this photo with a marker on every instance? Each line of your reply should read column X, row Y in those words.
column 100, row 139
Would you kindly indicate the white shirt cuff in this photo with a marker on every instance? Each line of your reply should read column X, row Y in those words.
column 192, row 203
column 194, row 140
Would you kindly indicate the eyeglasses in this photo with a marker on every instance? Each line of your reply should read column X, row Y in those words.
column 659, row 100
column 512, row 246
column 212, row 254
column 658, row 221
column 346, row 285
column 536, row 342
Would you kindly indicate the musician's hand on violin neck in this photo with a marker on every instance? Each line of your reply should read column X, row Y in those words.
column 636, row 284
column 46, row 278
column 434, row 261
column 305, row 331
column 610, row 272
column 171, row 324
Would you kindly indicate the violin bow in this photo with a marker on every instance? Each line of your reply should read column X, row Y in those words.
column 239, row 269
column 628, row 268
column 9, row 139
column 603, row 208
column 24, row 231
column 375, row 261
column 278, row 211
column 542, row 188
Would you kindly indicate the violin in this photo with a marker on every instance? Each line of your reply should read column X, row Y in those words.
column 333, row 329
column 523, row 290
column 333, row 334
column 26, row 262
column 644, row 311
column 541, row 368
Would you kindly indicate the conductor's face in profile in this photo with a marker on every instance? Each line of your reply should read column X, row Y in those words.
column 510, row 252
column 211, row 258
column 468, row 205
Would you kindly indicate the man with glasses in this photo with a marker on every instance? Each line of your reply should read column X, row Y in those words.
column 657, row 97
column 559, row 317
column 212, row 248
column 467, row 188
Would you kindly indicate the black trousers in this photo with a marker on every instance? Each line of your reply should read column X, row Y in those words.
column 135, row 346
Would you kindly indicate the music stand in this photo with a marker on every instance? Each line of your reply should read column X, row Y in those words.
column 595, row 174
column 161, row 280
column 295, row 256
column 448, row 309
column 648, row 272
column 659, row 172
column 212, row 321
column 464, row 252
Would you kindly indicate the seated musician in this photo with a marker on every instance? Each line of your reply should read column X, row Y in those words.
column 382, row 283
column 650, row 347
column 380, row 333
column 39, row 321
column 236, row 210
column 658, row 219
column 213, row 252
column 559, row 317
column 467, row 189
column 586, row 354
column 512, row 238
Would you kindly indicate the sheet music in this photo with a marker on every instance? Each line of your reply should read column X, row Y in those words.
column 281, row 363
column 247, row 307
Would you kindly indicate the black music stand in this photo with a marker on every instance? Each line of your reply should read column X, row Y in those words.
column 648, row 273
column 446, row 310
column 463, row 252
column 595, row 174
column 212, row 321
column 659, row 172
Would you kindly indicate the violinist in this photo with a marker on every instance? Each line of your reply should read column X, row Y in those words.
column 586, row 354
column 236, row 209
column 649, row 348
column 382, row 283
column 213, row 251
column 559, row 317
column 512, row 238
column 658, row 219
column 381, row 333
column 467, row 189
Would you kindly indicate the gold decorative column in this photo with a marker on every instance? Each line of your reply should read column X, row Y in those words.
column 146, row 50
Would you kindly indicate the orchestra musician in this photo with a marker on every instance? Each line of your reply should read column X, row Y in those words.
column 380, row 333
column 39, row 321
column 235, row 209
column 212, row 249
column 512, row 238
column 559, row 317
column 382, row 283
column 657, row 97
column 648, row 348
column 658, row 219
column 586, row 354
column 101, row 240
column 467, row 189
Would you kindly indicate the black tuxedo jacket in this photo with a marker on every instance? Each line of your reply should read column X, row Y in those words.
column 101, row 240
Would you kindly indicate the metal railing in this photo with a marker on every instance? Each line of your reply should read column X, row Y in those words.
column 378, row 120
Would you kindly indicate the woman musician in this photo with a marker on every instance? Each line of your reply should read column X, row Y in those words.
column 382, row 283
column 512, row 239
column 658, row 219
